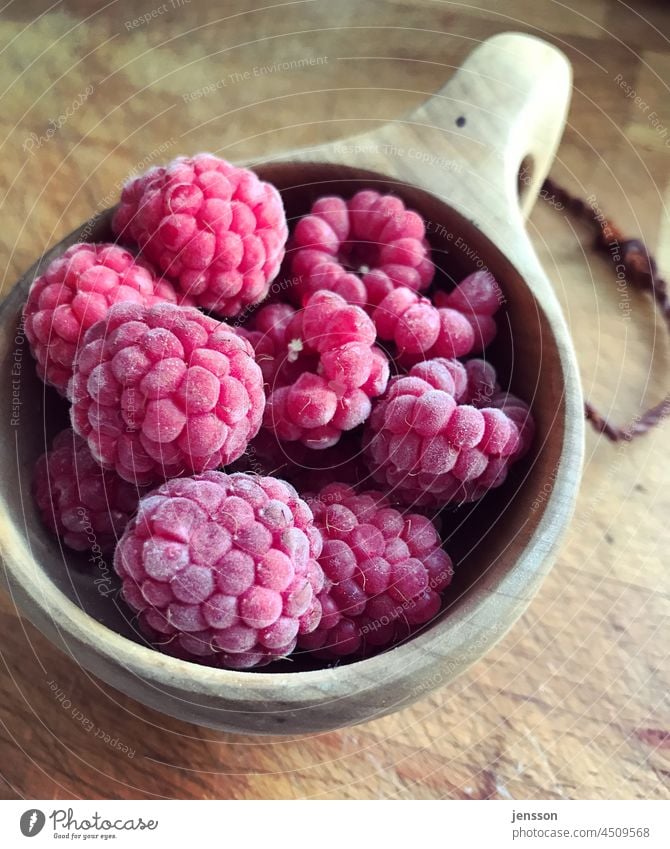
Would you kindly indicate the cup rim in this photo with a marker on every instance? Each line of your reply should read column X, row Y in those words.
column 61, row 614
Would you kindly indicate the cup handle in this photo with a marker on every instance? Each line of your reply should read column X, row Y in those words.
column 504, row 112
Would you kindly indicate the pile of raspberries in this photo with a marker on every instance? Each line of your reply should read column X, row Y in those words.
column 266, row 463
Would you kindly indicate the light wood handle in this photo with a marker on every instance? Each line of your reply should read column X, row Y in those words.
column 511, row 96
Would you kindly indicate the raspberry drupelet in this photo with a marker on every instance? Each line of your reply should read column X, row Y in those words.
column 222, row 568
column 74, row 292
column 460, row 323
column 217, row 230
column 361, row 249
column 165, row 391
column 78, row 500
column 384, row 572
column 321, row 366
column 429, row 448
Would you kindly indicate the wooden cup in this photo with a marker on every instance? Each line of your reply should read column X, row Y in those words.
column 471, row 161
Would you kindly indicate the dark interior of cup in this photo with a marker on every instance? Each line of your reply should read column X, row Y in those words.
column 485, row 540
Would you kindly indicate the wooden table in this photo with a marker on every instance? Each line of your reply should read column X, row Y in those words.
column 573, row 703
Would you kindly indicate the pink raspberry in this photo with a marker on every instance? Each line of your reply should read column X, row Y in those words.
column 478, row 297
column 417, row 327
column 384, row 572
column 423, row 331
column 361, row 249
column 164, row 391
column 321, row 365
column 222, row 568
column 74, row 292
column 216, row 229
column 429, row 448
column 78, row 500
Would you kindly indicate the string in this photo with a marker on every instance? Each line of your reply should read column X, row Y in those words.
column 641, row 272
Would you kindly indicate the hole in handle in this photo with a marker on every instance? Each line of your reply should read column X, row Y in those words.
column 525, row 176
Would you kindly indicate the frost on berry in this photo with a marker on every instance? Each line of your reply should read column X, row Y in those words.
column 215, row 229
column 478, row 297
column 455, row 326
column 76, row 290
column 384, row 573
column 445, row 433
column 222, row 569
column 361, row 249
column 321, row 367
column 88, row 507
column 165, row 391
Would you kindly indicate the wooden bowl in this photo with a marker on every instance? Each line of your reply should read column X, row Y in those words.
column 457, row 160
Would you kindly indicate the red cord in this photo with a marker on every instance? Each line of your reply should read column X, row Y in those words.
column 641, row 272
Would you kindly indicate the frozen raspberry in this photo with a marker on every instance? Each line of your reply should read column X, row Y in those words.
column 165, row 391
column 74, row 292
column 222, row 568
column 384, row 572
column 78, row 500
column 361, row 249
column 216, row 229
column 429, row 448
column 417, row 327
column 478, row 297
column 423, row 331
column 321, row 365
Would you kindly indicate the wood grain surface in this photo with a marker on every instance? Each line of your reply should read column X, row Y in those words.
column 573, row 703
